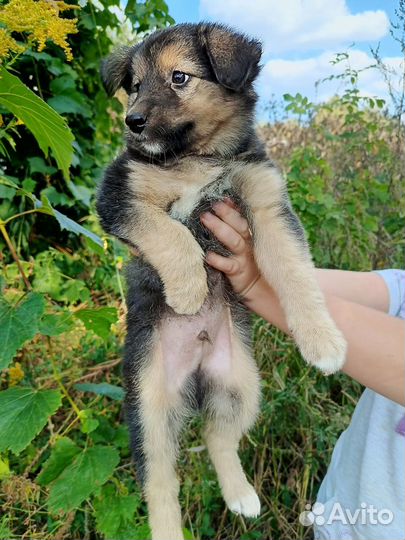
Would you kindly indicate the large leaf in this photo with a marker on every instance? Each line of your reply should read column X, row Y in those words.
column 23, row 413
column 61, row 456
column 115, row 514
column 18, row 323
column 98, row 319
column 47, row 126
column 102, row 389
column 89, row 470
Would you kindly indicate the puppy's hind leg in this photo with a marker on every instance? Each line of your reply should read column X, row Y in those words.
column 160, row 418
column 232, row 405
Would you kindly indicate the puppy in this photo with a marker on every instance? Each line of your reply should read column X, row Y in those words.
column 190, row 142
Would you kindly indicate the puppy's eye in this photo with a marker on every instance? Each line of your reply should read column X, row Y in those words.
column 135, row 88
column 179, row 78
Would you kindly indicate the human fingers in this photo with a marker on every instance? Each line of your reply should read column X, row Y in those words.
column 227, row 265
column 225, row 233
column 231, row 216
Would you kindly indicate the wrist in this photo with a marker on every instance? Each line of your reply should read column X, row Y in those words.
column 254, row 291
column 262, row 299
column 244, row 293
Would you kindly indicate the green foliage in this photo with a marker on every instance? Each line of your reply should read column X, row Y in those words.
column 73, row 477
column 115, row 514
column 60, row 285
column 102, row 389
column 49, row 129
column 62, row 310
column 24, row 412
column 98, row 320
column 18, row 323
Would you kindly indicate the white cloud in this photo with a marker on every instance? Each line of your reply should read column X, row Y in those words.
column 300, row 39
column 291, row 76
column 298, row 25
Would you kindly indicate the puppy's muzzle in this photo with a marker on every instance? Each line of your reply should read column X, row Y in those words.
column 136, row 122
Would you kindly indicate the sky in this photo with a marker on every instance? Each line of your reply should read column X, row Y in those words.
column 301, row 37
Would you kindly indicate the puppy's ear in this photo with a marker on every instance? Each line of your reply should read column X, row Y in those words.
column 234, row 58
column 116, row 70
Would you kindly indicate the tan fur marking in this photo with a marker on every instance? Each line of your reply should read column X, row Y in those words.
column 176, row 57
column 160, row 448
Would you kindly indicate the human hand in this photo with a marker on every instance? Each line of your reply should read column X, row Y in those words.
column 232, row 230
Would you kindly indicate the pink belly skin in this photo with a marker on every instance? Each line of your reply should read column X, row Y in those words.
column 202, row 340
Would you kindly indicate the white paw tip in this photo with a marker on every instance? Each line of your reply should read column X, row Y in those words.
column 248, row 505
column 329, row 365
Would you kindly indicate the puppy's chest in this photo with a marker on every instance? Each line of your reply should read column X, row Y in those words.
column 180, row 189
column 196, row 195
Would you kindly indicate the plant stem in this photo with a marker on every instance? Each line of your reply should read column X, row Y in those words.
column 14, row 254
column 58, row 379
column 20, row 214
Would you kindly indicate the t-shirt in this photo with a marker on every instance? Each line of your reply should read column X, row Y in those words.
column 362, row 496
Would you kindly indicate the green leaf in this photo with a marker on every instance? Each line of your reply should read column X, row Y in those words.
column 88, row 422
column 61, row 84
column 70, row 103
column 23, row 413
column 89, row 470
column 80, row 193
column 66, row 223
column 53, row 324
column 38, row 165
column 7, row 192
column 9, row 181
column 57, row 198
column 98, row 320
column 102, row 389
column 47, row 126
column 61, row 456
column 74, row 290
column 47, row 276
column 18, row 324
column 115, row 514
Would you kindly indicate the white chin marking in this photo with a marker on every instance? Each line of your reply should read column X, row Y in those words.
column 152, row 148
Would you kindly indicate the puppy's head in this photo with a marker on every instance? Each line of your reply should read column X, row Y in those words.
column 190, row 90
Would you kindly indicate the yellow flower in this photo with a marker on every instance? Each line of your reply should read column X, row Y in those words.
column 15, row 374
column 40, row 20
column 7, row 44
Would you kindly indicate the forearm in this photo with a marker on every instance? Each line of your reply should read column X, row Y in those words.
column 375, row 355
column 365, row 288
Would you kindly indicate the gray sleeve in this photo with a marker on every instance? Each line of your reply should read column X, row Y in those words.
column 395, row 281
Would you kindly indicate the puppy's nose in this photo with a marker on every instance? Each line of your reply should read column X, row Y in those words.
column 136, row 122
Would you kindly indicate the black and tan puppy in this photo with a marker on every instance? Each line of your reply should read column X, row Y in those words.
column 190, row 142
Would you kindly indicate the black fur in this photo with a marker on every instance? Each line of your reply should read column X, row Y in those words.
column 234, row 58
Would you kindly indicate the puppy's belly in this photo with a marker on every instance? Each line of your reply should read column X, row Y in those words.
column 202, row 341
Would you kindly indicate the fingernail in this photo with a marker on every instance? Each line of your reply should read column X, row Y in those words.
column 206, row 216
column 217, row 204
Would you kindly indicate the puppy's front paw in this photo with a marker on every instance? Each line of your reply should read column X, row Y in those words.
column 186, row 294
column 322, row 345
